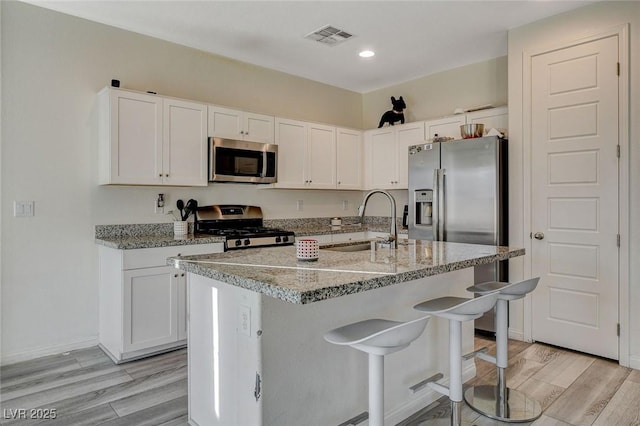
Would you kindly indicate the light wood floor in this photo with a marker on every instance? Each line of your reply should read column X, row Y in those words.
column 86, row 388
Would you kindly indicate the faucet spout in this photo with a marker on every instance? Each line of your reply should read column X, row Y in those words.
column 393, row 231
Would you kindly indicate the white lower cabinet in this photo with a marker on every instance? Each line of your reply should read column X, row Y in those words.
column 143, row 302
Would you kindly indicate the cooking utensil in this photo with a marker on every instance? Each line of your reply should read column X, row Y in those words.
column 180, row 206
column 469, row 131
column 191, row 207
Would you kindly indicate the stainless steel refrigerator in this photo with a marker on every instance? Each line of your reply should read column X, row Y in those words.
column 458, row 193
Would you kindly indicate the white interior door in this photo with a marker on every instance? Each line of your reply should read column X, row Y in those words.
column 574, row 137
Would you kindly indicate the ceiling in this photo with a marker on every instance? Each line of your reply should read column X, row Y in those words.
column 411, row 38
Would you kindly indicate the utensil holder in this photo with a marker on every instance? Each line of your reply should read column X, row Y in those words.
column 180, row 227
column 307, row 249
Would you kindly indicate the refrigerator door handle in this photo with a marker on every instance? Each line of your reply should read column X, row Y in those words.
column 441, row 206
column 435, row 211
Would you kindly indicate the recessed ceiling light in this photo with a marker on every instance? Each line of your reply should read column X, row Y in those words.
column 367, row 53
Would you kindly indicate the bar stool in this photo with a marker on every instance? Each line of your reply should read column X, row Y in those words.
column 456, row 310
column 499, row 402
column 377, row 337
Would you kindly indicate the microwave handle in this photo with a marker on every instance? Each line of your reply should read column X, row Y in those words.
column 264, row 164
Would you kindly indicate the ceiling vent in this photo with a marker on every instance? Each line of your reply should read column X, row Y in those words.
column 329, row 35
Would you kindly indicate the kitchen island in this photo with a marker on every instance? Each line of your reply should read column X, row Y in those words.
column 257, row 317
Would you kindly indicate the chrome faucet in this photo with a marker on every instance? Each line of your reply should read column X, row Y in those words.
column 393, row 232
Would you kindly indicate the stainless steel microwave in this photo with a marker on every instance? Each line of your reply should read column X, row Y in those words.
column 242, row 161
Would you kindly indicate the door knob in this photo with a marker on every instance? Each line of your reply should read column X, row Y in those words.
column 538, row 235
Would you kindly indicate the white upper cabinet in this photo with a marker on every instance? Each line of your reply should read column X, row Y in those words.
column 445, row 127
column 240, row 125
column 150, row 140
column 349, row 159
column 321, row 157
column 387, row 154
column 184, row 144
column 497, row 118
column 291, row 138
column 306, row 155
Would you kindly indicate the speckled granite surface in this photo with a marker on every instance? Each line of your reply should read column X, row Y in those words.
column 150, row 235
column 275, row 271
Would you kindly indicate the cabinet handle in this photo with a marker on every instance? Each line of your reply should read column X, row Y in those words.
column 160, row 175
column 182, row 275
column 339, row 182
column 167, row 175
column 175, row 276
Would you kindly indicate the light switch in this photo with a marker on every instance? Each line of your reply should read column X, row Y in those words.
column 23, row 208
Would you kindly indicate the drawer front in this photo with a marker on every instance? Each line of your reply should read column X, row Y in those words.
column 150, row 257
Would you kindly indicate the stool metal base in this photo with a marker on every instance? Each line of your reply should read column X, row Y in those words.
column 516, row 407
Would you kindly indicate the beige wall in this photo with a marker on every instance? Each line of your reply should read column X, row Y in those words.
column 439, row 94
column 584, row 22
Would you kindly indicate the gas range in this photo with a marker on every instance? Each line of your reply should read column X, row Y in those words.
column 241, row 226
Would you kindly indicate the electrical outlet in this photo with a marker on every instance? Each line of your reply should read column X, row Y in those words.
column 345, row 205
column 159, row 204
column 23, row 208
column 244, row 320
column 299, row 205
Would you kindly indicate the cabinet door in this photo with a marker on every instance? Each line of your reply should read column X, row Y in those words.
column 349, row 159
column 225, row 123
column 150, row 308
column 321, row 157
column 497, row 118
column 381, row 153
column 291, row 138
column 258, row 128
column 184, row 143
column 447, row 126
column 135, row 138
column 407, row 135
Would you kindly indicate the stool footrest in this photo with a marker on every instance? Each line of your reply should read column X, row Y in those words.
column 439, row 388
column 353, row 421
column 488, row 358
column 474, row 354
column 423, row 384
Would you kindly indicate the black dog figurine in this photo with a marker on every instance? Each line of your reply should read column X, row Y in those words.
column 395, row 114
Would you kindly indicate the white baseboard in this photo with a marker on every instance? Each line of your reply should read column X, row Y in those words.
column 424, row 397
column 516, row 334
column 634, row 362
column 12, row 358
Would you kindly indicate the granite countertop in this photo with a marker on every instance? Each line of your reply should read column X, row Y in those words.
column 275, row 271
column 153, row 241
column 139, row 236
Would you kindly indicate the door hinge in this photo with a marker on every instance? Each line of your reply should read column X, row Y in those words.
column 618, row 69
column 618, row 329
column 618, row 240
column 257, row 390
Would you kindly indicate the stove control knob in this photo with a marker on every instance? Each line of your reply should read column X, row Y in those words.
column 278, row 239
column 238, row 242
column 285, row 239
column 247, row 242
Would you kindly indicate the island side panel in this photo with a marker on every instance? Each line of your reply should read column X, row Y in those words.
column 225, row 383
column 307, row 378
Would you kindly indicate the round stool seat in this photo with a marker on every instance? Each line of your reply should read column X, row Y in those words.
column 506, row 291
column 459, row 308
column 378, row 336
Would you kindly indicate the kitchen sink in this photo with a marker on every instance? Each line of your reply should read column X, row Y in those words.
column 349, row 247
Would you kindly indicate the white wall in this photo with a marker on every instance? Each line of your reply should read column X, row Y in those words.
column 581, row 23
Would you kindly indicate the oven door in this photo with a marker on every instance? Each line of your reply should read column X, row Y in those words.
column 241, row 161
